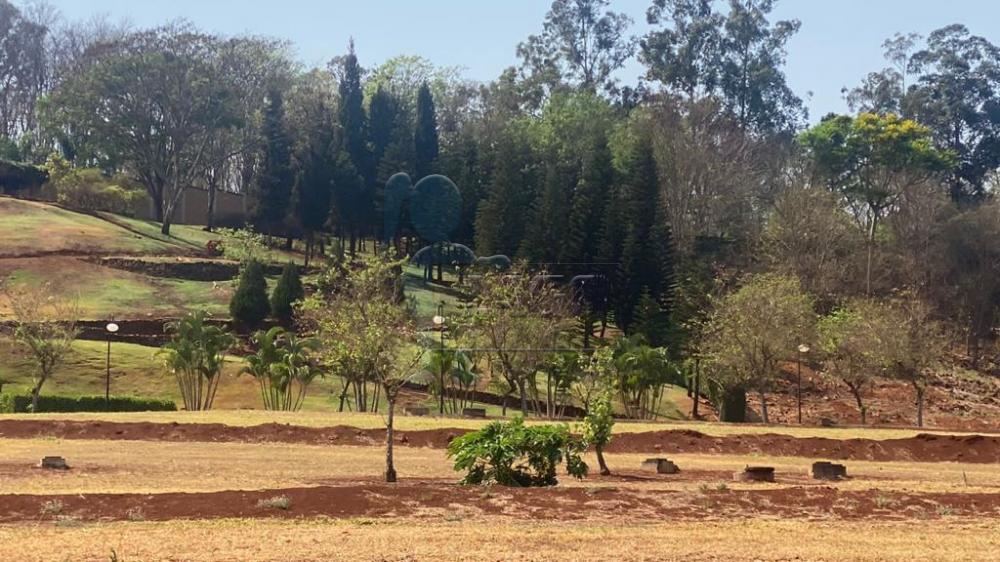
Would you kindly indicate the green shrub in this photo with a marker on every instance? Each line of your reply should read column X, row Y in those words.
column 91, row 189
column 286, row 293
column 512, row 454
column 249, row 305
column 16, row 404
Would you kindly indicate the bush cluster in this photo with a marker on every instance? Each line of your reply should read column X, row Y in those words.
column 513, row 454
column 16, row 404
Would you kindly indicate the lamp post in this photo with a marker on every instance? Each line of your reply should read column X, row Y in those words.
column 439, row 322
column 803, row 349
column 111, row 329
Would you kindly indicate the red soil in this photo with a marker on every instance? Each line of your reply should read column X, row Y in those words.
column 430, row 498
column 921, row 448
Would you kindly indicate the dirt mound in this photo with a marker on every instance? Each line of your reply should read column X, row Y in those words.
column 436, row 498
column 925, row 447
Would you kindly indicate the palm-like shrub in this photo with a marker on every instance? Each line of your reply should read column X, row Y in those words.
column 284, row 366
column 512, row 454
column 195, row 355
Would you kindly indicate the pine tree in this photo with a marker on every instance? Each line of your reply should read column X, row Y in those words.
column 651, row 321
column 358, row 213
column 273, row 188
column 587, row 211
column 501, row 217
column 425, row 138
column 646, row 259
column 286, row 293
column 384, row 119
column 314, row 182
column 459, row 161
column 546, row 230
column 249, row 305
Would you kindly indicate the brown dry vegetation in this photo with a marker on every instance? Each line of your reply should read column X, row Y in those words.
column 456, row 538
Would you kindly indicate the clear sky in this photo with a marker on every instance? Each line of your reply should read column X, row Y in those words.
column 840, row 40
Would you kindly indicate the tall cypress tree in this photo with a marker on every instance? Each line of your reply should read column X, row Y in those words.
column 274, row 184
column 314, row 182
column 425, row 136
column 357, row 208
column 384, row 120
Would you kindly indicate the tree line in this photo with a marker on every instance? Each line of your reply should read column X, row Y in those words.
column 679, row 186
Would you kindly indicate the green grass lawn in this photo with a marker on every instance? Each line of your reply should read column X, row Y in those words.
column 31, row 228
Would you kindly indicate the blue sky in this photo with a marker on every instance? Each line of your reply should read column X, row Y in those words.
column 840, row 40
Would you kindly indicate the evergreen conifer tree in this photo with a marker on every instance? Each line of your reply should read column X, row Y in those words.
column 501, row 217
column 587, row 209
column 646, row 259
column 425, row 138
column 357, row 202
column 272, row 193
column 286, row 293
column 314, row 182
column 249, row 305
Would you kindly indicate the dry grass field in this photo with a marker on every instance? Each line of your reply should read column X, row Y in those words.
column 206, row 501
column 318, row 540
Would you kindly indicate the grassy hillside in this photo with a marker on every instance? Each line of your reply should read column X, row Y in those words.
column 30, row 228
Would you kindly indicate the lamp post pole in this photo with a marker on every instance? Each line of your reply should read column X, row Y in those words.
column 110, row 329
column 439, row 322
column 803, row 349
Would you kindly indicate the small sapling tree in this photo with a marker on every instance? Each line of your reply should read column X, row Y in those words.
column 597, row 427
column 45, row 325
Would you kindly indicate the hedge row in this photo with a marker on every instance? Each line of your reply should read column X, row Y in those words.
column 10, row 403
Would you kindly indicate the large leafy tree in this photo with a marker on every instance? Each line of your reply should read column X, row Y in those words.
column 951, row 84
column 751, row 330
column 871, row 160
column 582, row 44
column 737, row 56
column 22, row 69
column 154, row 104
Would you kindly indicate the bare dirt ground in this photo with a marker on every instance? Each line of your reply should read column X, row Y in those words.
column 922, row 447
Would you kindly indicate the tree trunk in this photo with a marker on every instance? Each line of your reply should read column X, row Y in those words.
column 390, row 470
column 165, row 227
column 524, row 398
column 920, row 405
column 36, row 391
column 697, row 391
column 763, row 406
column 605, row 471
column 860, row 403
column 210, row 215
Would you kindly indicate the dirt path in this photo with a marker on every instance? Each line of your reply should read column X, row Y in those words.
column 433, row 498
column 921, row 448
